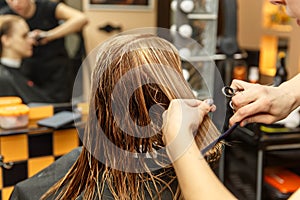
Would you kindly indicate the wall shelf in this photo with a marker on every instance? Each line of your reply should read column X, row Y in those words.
column 279, row 32
column 199, row 48
column 202, row 16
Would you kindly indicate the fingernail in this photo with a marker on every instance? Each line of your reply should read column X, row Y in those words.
column 244, row 123
column 210, row 102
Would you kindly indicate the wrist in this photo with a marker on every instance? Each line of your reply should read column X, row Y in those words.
column 178, row 141
column 49, row 36
column 184, row 150
column 292, row 98
column 172, row 132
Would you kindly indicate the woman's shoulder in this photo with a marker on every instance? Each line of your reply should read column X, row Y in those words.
column 4, row 72
column 34, row 187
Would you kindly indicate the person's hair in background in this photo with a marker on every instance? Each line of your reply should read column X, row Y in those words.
column 8, row 24
column 137, row 65
column 6, row 27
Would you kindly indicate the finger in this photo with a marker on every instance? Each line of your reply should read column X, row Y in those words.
column 43, row 41
column 204, row 108
column 35, row 32
column 239, row 84
column 213, row 108
column 35, row 43
column 248, row 110
column 210, row 102
column 244, row 98
column 259, row 118
column 192, row 102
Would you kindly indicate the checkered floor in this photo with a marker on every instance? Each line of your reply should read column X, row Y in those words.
column 31, row 153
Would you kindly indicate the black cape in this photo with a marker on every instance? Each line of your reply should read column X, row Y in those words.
column 14, row 83
column 34, row 187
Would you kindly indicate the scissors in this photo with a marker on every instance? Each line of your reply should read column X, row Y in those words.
column 228, row 92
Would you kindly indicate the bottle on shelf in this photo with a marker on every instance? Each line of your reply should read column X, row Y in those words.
column 281, row 72
column 240, row 70
column 253, row 74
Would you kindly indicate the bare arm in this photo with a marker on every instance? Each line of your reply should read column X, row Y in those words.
column 74, row 21
column 196, row 179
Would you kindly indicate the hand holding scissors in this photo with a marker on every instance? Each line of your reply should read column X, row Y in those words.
column 263, row 103
column 229, row 92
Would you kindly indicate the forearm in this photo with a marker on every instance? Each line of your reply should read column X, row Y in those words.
column 67, row 27
column 196, row 179
column 73, row 21
column 291, row 87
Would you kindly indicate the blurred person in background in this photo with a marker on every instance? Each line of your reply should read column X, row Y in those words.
column 16, row 44
column 50, row 65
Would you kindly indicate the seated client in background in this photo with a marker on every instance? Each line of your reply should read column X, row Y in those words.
column 50, row 66
column 15, row 44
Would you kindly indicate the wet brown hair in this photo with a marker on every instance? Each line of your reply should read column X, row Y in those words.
column 154, row 77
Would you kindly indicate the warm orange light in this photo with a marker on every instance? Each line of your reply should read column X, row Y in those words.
column 275, row 16
column 268, row 55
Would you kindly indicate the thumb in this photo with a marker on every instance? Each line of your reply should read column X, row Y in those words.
column 192, row 102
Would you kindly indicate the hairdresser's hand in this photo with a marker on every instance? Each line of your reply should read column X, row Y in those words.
column 259, row 103
column 183, row 117
column 41, row 37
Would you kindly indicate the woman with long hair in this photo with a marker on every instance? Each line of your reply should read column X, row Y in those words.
column 123, row 155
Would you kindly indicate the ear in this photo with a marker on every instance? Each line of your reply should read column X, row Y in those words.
column 5, row 40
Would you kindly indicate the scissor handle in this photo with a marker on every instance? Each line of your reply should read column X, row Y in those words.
column 228, row 91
